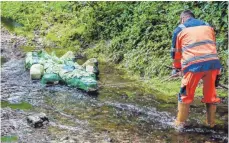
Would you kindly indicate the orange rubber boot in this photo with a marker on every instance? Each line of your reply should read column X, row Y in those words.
column 182, row 114
column 211, row 109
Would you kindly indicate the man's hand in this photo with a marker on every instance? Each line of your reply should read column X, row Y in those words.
column 175, row 72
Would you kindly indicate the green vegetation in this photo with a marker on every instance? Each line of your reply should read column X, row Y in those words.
column 9, row 139
column 23, row 105
column 134, row 35
column 27, row 48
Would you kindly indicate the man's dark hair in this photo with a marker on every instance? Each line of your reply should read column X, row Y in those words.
column 187, row 13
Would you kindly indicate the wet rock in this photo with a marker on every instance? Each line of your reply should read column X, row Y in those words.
column 37, row 120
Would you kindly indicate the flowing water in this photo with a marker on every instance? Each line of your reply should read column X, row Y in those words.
column 121, row 111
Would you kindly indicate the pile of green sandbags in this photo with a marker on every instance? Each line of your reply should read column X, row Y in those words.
column 52, row 70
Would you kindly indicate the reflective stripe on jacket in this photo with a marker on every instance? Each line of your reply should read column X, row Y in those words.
column 194, row 47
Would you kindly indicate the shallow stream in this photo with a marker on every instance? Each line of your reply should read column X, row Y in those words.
column 121, row 110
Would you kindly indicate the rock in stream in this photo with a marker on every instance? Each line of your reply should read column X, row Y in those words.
column 38, row 120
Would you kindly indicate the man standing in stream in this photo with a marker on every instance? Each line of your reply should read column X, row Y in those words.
column 195, row 57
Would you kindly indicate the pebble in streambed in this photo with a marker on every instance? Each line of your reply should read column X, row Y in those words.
column 38, row 120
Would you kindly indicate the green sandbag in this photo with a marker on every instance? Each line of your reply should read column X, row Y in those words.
column 91, row 66
column 31, row 58
column 36, row 71
column 69, row 56
column 52, row 67
column 45, row 55
column 50, row 78
column 85, row 83
column 78, row 73
column 28, row 60
column 64, row 69
column 90, row 83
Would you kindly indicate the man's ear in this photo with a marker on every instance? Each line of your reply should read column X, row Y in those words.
column 182, row 21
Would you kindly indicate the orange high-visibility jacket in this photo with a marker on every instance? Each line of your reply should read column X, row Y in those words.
column 194, row 47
